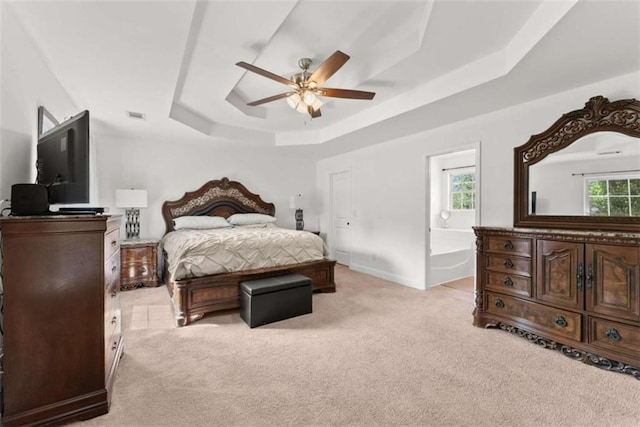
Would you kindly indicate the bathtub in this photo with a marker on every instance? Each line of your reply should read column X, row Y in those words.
column 452, row 255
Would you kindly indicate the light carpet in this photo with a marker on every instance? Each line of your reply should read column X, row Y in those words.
column 372, row 354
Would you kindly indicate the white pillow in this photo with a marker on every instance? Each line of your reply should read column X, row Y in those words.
column 199, row 222
column 250, row 218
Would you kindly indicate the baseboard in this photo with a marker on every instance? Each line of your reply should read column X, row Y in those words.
column 401, row 280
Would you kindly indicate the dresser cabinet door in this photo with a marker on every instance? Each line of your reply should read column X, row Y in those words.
column 613, row 280
column 560, row 273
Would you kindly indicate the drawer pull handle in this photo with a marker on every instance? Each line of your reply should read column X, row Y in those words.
column 508, row 282
column 613, row 334
column 508, row 245
column 114, row 320
column 499, row 303
column 113, row 269
column 115, row 346
column 508, row 263
column 561, row 321
column 144, row 270
column 114, row 294
column 113, row 243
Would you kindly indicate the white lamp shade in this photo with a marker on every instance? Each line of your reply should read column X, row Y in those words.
column 131, row 198
column 298, row 202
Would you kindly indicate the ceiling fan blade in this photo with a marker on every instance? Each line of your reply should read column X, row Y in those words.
column 344, row 93
column 266, row 74
column 313, row 113
column 271, row 98
column 328, row 67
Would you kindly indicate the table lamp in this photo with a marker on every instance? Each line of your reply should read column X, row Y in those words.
column 298, row 203
column 131, row 200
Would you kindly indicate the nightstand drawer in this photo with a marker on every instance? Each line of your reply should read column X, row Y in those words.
column 138, row 271
column 143, row 254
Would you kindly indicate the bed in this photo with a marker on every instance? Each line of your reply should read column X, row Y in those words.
column 195, row 294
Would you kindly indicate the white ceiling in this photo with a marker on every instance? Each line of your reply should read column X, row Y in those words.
column 429, row 62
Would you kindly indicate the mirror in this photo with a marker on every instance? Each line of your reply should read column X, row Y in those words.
column 583, row 172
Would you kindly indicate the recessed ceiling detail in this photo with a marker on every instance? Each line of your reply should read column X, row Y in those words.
column 430, row 62
column 383, row 38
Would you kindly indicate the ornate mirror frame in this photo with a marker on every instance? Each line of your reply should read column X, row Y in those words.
column 598, row 115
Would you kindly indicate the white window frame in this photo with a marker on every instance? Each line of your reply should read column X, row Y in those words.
column 605, row 178
column 450, row 175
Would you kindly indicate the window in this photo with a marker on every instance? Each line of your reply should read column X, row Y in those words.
column 609, row 196
column 462, row 191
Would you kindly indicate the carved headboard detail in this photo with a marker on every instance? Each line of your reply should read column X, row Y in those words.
column 215, row 198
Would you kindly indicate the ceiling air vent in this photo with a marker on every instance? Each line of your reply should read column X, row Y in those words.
column 134, row 115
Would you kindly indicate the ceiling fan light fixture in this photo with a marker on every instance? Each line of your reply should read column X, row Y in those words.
column 307, row 88
column 308, row 97
column 316, row 104
column 294, row 100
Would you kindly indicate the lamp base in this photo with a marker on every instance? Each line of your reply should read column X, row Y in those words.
column 299, row 220
column 132, row 226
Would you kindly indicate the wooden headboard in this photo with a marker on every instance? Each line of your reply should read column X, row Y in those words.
column 220, row 197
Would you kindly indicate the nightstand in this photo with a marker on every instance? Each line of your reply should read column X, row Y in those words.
column 139, row 263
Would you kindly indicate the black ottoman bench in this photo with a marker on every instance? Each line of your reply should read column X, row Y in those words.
column 272, row 299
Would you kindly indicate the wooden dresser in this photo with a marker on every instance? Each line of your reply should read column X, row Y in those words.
column 62, row 336
column 577, row 292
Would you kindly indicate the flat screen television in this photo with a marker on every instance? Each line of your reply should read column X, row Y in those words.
column 63, row 161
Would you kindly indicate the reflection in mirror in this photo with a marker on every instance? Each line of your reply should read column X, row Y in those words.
column 598, row 175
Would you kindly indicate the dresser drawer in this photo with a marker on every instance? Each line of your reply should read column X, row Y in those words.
column 111, row 243
column 615, row 336
column 509, row 264
column 110, row 351
column 537, row 316
column 111, row 309
column 509, row 283
column 508, row 245
column 112, row 270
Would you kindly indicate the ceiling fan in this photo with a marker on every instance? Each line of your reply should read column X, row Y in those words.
column 305, row 87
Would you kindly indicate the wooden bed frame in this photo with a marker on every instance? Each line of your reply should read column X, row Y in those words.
column 195, row 297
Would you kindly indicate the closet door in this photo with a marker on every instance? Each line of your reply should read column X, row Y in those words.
column 613, row 280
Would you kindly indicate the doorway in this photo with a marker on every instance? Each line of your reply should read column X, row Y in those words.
column 453, row 208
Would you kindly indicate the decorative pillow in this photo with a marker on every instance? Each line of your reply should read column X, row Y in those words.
column 200, row 222
column 250, row 218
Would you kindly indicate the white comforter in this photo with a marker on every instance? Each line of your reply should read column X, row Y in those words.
column 197, row 253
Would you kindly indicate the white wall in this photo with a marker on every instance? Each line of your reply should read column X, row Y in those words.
column 389, row 183
column 167, row 169
column 25, row 83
